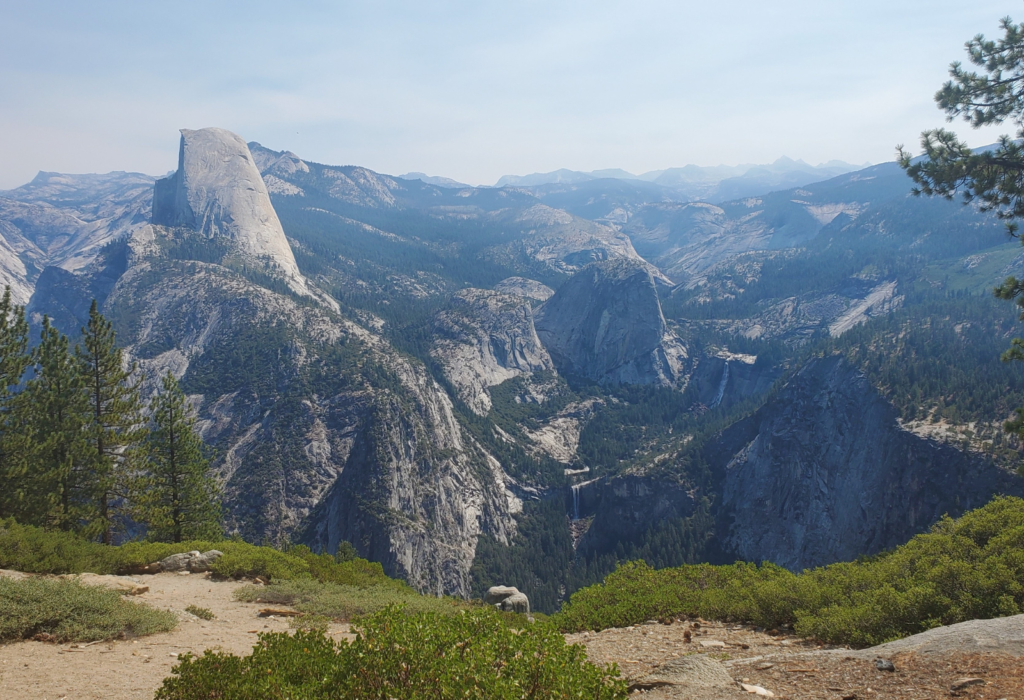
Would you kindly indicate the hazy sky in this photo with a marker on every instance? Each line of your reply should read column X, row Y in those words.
column 475, row 90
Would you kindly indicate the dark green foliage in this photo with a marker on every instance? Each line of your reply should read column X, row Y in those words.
column 187, row 245
column 116, row 429
column 538, row 562
column 400, row 655
column 178, row 498
column 969, row 568
column 345, row 601
column 939, row 358
column 35, row 550
column 64, row 458
column 249, row 357
column 542, row 563
column 66, row 611
column 16, row 494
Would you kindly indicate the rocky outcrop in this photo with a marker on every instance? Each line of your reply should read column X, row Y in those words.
column 566, row 243
column 558, row 437
column 415, row 492
column 824, row 473
column 520, row 286
column 483, row 339
column 723, row 379
column 508, row 598
column 606, row 324
column 194, row 562
column 218, row 191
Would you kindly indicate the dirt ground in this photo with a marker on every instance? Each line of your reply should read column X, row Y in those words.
column 782, row 664
column 790, row 667
column 133, row 670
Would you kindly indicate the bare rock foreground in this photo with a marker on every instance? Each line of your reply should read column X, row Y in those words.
column 691, row 659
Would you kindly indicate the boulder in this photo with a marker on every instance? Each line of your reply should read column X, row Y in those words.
column 496, row 594
column 178, row 562
column 517, row 602
column 194, row 561
column 204, row 561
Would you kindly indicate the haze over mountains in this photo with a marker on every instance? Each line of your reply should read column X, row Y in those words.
column 524, row 384
column 691, row 182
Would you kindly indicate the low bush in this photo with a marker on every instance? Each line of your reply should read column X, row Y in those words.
column 201, row 613
column 345, row 602
column 34, row 550
column 63, row 610
column 473, row 655
column 968, row 568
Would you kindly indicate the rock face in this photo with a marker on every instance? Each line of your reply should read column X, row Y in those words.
column 483, row 339
column 606, row 324
column 824, row 473
column 413, row 491
column 218, row 191
column 567, row 243
column 523, row 287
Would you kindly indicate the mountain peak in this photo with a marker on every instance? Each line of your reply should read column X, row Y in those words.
column 217, row 190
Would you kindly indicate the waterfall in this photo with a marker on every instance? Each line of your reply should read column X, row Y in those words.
column 575, row 501
column 721, row 386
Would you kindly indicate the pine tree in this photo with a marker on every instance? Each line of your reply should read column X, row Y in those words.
column 181, row 501
column 15, row 440
column 116, row 429
column 62, row 461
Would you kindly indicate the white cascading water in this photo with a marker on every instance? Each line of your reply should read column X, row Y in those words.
column 575, row 501
column 721, row 386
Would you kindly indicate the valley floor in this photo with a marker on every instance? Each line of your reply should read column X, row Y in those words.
column 787, row 666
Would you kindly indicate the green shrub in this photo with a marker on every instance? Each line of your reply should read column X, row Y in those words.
column 201, row 613
column 310, row 623
column 963, row 569
column 34, row 550
column 37, row 551
column 63, row 610
column 472, row 655
column 345, row 602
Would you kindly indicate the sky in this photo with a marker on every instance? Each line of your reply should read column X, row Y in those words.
column 476, row 90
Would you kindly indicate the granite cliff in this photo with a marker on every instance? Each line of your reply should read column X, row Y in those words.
column 483, row 339
column 823, row 473
column 217, row 190
column 605, row 323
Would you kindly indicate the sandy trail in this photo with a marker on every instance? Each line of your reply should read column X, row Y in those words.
column 133, row 670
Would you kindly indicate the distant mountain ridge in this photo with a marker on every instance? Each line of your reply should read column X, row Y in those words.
column 713, row 183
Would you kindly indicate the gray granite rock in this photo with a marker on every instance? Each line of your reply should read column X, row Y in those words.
column 605, row 323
